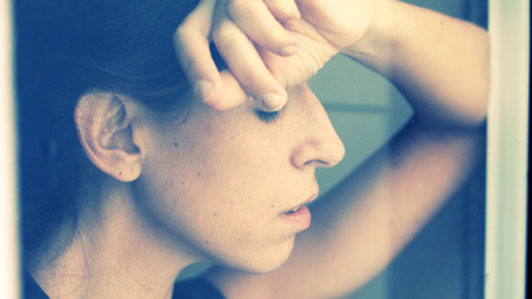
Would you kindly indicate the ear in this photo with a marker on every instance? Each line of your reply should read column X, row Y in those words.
column 105, row 125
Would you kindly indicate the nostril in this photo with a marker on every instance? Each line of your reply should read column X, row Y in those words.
column 317, row 154
column 319, row 163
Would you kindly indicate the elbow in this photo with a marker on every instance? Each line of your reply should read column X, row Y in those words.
column 478, row 101
column 471, row 106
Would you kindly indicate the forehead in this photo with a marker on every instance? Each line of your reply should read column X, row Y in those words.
column 197, row 118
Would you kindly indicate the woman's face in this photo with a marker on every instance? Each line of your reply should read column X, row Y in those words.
column 222, row 182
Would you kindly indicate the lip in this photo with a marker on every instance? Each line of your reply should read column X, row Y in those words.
column 302, row 216
column 309, row 200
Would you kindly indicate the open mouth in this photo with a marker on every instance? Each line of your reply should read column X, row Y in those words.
column 300, row 216
column 301, row 205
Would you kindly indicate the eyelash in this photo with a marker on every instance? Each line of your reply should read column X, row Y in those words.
column 268, row 117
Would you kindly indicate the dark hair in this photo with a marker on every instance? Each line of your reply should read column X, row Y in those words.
column 63, row 49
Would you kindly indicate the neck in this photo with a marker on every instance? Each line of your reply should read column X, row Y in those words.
column 116, row 253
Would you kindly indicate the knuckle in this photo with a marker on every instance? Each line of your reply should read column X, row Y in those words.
column 237, row 7
column 180, row 32
column 224, row 33
column 184, row 30
column 284, row 10
column 282, row 13
column 276, row 40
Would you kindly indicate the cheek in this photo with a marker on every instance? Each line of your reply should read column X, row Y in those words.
column 237, row 203
column 218, row 186
column 217, row 195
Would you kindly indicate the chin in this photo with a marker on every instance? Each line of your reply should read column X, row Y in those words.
column 267, row 260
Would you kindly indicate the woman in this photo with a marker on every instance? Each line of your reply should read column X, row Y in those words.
column 128, row 177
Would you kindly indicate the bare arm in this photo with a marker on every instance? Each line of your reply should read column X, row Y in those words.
column 440, row 64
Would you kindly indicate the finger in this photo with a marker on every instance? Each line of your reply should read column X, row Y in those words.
column 192, row 50
column 231, row 94
column 247, row 66
column 285, row 11
column 255, row 19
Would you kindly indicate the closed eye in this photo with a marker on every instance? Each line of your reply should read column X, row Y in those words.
column 268, row 117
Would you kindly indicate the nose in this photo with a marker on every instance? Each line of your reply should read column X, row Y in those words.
column 319, row 145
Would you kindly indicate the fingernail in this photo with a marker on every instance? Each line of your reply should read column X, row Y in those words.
column 203, row 89
column 271, row 101
column 289, row 50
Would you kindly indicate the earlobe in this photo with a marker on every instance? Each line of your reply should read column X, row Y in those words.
column 104, row 122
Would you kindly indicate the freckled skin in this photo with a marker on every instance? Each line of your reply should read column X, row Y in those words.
column 236, row 167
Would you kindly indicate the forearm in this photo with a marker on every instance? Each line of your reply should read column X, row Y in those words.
column 439, row 63
column 361, row 225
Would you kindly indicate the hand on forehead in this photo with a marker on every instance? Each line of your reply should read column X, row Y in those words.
column 267, row 45
column 236, row 27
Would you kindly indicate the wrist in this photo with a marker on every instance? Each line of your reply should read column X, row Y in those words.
column 376, row 47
